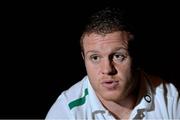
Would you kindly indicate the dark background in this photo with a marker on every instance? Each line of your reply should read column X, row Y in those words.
column 40, row 54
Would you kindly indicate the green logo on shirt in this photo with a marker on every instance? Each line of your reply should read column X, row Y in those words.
column 79, row 101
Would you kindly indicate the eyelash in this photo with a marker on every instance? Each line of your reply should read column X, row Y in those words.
column 121, row 57
column 96, row 58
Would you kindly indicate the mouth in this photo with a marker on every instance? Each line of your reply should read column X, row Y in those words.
column 110, row 84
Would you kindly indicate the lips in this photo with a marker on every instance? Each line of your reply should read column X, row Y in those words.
column 110, row 84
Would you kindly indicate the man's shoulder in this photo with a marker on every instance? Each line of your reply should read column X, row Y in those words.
column 67, row 100
column 163, row 86
column 75, row 90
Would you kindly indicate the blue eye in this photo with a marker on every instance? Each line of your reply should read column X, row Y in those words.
column 95, row 58
column 119, row 57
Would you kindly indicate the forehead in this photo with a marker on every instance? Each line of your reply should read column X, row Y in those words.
column 118, row 37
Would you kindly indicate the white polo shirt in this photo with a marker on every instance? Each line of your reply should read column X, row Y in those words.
column 156, row 101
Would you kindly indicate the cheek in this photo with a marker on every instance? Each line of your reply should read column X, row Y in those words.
column 92, row 72
column 91, row 68
column 124, row 69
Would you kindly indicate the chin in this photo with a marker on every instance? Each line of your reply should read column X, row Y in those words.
column 112, row 96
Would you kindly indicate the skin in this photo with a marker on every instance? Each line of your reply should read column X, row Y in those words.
column 108, row 66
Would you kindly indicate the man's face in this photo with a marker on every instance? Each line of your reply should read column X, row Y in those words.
column 108, row 64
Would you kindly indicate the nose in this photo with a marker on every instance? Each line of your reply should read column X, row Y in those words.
column 108, row 68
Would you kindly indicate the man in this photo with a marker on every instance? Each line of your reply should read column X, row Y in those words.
column 114, row 88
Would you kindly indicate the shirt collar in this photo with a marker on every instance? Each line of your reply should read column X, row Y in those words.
column 145, row 97
column 95, row 103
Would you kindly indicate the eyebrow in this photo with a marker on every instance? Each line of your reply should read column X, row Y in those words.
column 115, row 50
column 120, row 48
column 92, row 51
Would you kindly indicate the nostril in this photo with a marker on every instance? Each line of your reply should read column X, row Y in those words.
column 113, row 72
column 109, row 71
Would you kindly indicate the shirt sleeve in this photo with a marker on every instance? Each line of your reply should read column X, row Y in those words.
column 59, row 110
column 176, row 104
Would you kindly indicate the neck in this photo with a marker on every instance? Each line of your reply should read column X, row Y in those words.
column 121, row 109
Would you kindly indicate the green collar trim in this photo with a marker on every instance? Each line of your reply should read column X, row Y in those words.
column 79, row 101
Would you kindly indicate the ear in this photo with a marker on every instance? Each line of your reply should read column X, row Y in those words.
column 82, row 53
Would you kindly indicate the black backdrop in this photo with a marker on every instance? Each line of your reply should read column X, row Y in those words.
column 40, row 54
